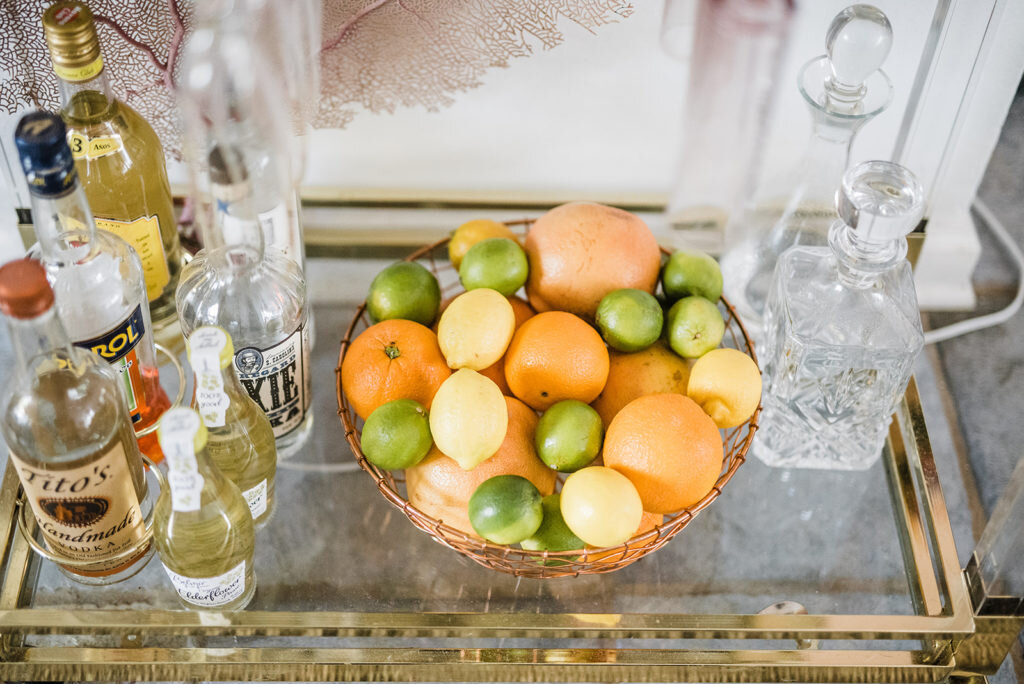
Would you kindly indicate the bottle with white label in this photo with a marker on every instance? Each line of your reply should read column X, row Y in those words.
column 97, row 277
column 240, row 441
column 70, row 439
column 202, row 527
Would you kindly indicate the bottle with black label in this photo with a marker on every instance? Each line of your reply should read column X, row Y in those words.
column 202, row 527
column 96, row 276
column 70, row 438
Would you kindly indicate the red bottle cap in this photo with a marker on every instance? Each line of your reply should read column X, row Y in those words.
column 24, row 290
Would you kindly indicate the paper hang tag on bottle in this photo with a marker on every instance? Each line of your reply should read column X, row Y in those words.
column 178, row 430
column 206, row 346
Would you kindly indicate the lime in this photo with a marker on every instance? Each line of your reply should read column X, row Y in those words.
column 396, row 435
column 568, row 435
column 404, row 290
column 629, row 320
column 506, row 509
column 695, row 327
column 691, row 272
column 601, row 506
column 498, row 263
column 472, row 232
column 553, row 534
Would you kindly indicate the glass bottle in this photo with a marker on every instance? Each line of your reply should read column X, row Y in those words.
column 202, row 527
column 96, row 276
column 257, row 295
column 69, row 436
column 118, row 155
column 842, row 329
column 241, row 441
column 843, row 90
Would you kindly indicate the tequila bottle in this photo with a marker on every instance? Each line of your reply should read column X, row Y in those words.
column 843, row 89
column 241, row 441
column 842, row 329
column 70, row 439
column 97, row 277
column 118, row 155
column 202, row 527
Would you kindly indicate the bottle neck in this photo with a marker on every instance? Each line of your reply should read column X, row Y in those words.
column 39, row 339
column 91, row 100
column 859, row 262
column 64, row 225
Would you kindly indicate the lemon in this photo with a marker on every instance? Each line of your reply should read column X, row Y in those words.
column 601, row 506
column 497, row 263
column 396, row 435
column 506, row 509
column 726, row 383
column 468, row 418
column 630, row 320
column 475, row 329
column 472, row 232
column 404, row 290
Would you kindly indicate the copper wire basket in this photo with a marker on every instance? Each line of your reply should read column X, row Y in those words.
column 510, row 559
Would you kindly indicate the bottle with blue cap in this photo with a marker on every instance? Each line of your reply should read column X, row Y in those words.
column 97, row 277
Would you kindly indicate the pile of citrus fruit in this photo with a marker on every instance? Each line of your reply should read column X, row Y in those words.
column 596, row 374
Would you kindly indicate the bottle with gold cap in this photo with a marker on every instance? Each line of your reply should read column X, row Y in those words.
column 118, row 155
column 70, row 438
column 241, row 441
column 202, row 527
column 97, row 277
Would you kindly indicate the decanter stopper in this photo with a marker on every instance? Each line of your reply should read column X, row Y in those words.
column 881, row 201
column 858, row 41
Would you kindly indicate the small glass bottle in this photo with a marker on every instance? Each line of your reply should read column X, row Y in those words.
column 70, row 439
column 843, row 89
column 241, row 441
column 843, row 329
column 118, row 155
column 202, row 528
column 96, row 276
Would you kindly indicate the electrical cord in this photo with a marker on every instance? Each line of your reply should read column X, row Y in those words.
column 988, row 320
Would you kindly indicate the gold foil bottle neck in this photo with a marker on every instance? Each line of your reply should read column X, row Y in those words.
column 71, row 36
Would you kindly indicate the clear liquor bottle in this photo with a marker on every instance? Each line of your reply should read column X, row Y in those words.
column 241, row 441
column 118, row 155
column 842, row 329
column 202, row 527
column 70, row 439
column 97, row 277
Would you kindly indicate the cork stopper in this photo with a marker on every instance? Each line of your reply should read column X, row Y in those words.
column 24, row 290
column 71, row 36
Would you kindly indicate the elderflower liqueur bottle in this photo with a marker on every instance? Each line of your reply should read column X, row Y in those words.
column 118, row 155
column 202, row 528
column 70, row 439
column 96, row 276
column 842, row 329
column 241, row 441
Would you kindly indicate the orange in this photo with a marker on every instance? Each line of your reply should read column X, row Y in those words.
column 496, row 371
column 651, row 371
column 394, row 359
column 668, row 448
column 441, row 489
column 554, row 356
column 580, row 252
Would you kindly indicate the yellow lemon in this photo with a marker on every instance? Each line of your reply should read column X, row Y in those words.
column 475, row 329
column 472, row 232
column 726, row 383
column 468, row 418
column 601, row 506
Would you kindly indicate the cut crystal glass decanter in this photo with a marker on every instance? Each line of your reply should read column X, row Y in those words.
column 842, row 329
column 843, row 89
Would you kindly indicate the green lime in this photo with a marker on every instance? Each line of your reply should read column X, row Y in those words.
column 695, row 327
column 692, row 272
column 553, row 534
column 497, row 263
column 404, row 290
column 629, row 320
column 506, row 509
column 396, row 435
column 568, row 435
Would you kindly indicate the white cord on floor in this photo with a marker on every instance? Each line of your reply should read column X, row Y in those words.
column 1003, row 315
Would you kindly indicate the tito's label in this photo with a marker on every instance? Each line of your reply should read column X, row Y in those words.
column 87, row 513
column 117, row 347
column 144, row 235
column 278, row 380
